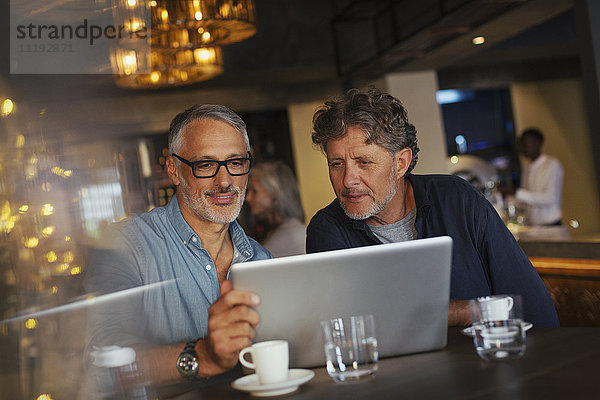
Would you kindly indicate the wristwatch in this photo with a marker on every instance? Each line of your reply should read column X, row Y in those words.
column 187, row 362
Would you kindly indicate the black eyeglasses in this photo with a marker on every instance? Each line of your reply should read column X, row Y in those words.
column 210, row 168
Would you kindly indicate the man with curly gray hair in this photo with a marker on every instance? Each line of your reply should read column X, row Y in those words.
column 371, row 150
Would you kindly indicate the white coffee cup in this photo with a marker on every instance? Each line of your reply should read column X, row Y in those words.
column 270, row 360
column 494, row 308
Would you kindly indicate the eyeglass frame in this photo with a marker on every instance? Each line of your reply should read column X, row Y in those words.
column 219, row 165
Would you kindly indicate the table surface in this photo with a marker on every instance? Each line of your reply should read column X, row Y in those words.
column 559, row 363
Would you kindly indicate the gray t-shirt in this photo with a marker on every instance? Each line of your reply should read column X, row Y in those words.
column 400, row 231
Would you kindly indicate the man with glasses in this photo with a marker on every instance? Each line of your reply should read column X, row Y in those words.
column 184, row 320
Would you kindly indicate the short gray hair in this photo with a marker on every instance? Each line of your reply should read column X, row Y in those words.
column 201, row 112
column 279, row 181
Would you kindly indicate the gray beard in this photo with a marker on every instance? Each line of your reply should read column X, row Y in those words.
column 206, row 211
column 377, row 207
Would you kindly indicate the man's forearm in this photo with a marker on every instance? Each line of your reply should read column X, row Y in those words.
column 159, row 364
column 459, row 313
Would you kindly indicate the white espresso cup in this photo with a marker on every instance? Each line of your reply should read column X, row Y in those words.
column 270, row 360
column 492, row 308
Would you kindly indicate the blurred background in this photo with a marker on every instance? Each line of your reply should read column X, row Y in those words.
column 81, row 148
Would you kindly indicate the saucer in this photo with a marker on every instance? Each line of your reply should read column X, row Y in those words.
column 296, row 377
column 469, row 330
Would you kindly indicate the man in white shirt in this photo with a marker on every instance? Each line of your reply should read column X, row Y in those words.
column 541, row 182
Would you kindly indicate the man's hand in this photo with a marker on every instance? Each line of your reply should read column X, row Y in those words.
column 459, row 313
column 231, row 325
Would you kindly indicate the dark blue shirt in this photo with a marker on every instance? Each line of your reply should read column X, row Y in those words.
column 486, row 258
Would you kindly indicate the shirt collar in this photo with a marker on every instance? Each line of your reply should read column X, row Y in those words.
column 240, row 241
column 186, row 233
column 422, row 199
column 183, row 230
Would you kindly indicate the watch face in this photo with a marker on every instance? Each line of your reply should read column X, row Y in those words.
column 187, row 364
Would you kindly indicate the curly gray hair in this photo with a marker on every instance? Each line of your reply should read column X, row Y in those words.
column 382, row 117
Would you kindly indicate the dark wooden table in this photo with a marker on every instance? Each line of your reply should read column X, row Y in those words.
column 560, row 363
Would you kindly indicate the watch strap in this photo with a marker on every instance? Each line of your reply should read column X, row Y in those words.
column 190, row 347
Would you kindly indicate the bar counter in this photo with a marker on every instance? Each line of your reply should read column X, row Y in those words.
column 571, row 273
column 559, row 363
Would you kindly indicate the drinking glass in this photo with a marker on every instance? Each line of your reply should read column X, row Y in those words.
column 498, row 332
column 350, row 347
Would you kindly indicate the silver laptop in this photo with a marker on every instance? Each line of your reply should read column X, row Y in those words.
column 406, row 286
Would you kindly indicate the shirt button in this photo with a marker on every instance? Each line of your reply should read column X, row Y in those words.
column 194, row 239
column 208, row 267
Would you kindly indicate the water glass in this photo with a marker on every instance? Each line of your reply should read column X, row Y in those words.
column 350, row 347
column 498, row 332
column 499, row 340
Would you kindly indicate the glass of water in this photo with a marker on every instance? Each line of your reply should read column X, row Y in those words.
column 499, row 340
column 350, row 347
column 498, row 332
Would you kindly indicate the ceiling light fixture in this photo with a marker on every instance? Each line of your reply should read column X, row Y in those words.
column 219, row 22
column 183, row 45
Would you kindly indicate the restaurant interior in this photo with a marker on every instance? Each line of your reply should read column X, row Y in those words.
column 83, row 148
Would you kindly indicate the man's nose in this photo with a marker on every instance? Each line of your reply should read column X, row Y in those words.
column 351, row 176
column 223, row 178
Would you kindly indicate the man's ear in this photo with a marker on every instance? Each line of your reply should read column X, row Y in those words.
column 403, row 159
column 172, row 170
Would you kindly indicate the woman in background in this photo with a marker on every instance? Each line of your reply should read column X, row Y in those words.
column 275, row 205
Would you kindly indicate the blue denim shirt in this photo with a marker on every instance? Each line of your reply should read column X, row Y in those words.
column 175, row 280
column 486, row 259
